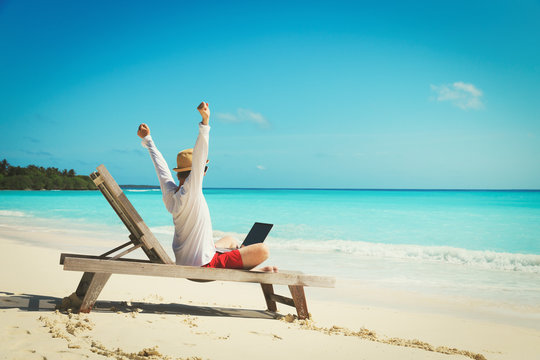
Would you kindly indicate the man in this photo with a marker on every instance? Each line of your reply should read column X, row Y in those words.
column 193, row 243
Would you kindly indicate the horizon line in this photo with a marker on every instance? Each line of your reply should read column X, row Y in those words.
column 345, row 189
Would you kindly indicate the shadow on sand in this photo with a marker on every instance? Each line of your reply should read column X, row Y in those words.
column 33, row 302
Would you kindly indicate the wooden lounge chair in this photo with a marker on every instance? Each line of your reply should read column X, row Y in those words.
column 98, row 269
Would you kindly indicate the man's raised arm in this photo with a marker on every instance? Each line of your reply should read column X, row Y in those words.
column 166, row 181
column 200, row 150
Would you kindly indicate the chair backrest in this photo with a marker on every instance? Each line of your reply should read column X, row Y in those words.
column 140, row 234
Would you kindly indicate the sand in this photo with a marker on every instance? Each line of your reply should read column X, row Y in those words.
column 160, row 318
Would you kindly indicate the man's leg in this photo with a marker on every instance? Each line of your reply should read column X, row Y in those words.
column 251, row 255
column 254, row 255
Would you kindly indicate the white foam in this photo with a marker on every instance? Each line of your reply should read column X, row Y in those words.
column 165, row 230
column 169, row 230
column 529, row 263
column 219, row 234
column 12, row 213
column 141, row 190
column 484, row 259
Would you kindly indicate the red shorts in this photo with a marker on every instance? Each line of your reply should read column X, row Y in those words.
column 227, row 260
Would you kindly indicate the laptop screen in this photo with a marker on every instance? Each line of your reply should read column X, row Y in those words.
column 257, row 234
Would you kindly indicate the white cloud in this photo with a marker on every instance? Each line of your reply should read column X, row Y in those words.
column 244, row 115
column 227, row 117
column 260, row 167
column 463, row 95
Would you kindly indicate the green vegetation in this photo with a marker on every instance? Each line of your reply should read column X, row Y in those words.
column 38, row 178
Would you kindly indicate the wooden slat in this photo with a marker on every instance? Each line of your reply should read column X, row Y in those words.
column 112, row 186
column 193, row 272
column 130, row 217
column 63, row 257
column 130, row 225
column 282, row 300
column 109, row 188
column 127, row 251
column 116, row 249
column 150, row 243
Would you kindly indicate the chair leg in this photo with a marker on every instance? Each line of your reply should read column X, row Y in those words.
column 83, row 284
column 89, row 289
column 299, row 298
column 268, row 291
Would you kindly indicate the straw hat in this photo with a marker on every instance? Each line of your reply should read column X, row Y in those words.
column 184, row 160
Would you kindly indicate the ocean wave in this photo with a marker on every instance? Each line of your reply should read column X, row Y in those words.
column 491, row 260
column 165, row 230
column 169, row 230
column 141, row 190
column 483, row 259
column 12, row 213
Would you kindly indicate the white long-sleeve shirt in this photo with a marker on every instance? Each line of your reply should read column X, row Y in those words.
column 193, row 243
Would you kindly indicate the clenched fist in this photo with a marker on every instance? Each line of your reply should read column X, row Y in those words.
column 143, row 130
column 205, row 112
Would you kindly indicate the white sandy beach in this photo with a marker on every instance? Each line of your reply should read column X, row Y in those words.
column 161, row 318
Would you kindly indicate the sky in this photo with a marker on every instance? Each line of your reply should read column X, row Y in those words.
column 303, row 94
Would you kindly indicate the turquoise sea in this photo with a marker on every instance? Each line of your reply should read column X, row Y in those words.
column 480, row 244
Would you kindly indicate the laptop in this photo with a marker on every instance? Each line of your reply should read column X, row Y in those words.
column 257, row 234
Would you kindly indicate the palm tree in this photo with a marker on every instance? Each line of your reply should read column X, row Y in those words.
column 4, row 166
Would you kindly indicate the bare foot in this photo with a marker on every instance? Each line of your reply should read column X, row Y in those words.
column 268, row 269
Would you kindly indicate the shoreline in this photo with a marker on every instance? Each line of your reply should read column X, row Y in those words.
column 211, row 320
column 379, row 275
column 156, row 187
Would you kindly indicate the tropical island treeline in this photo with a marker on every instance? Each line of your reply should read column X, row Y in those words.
column 35, row 177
